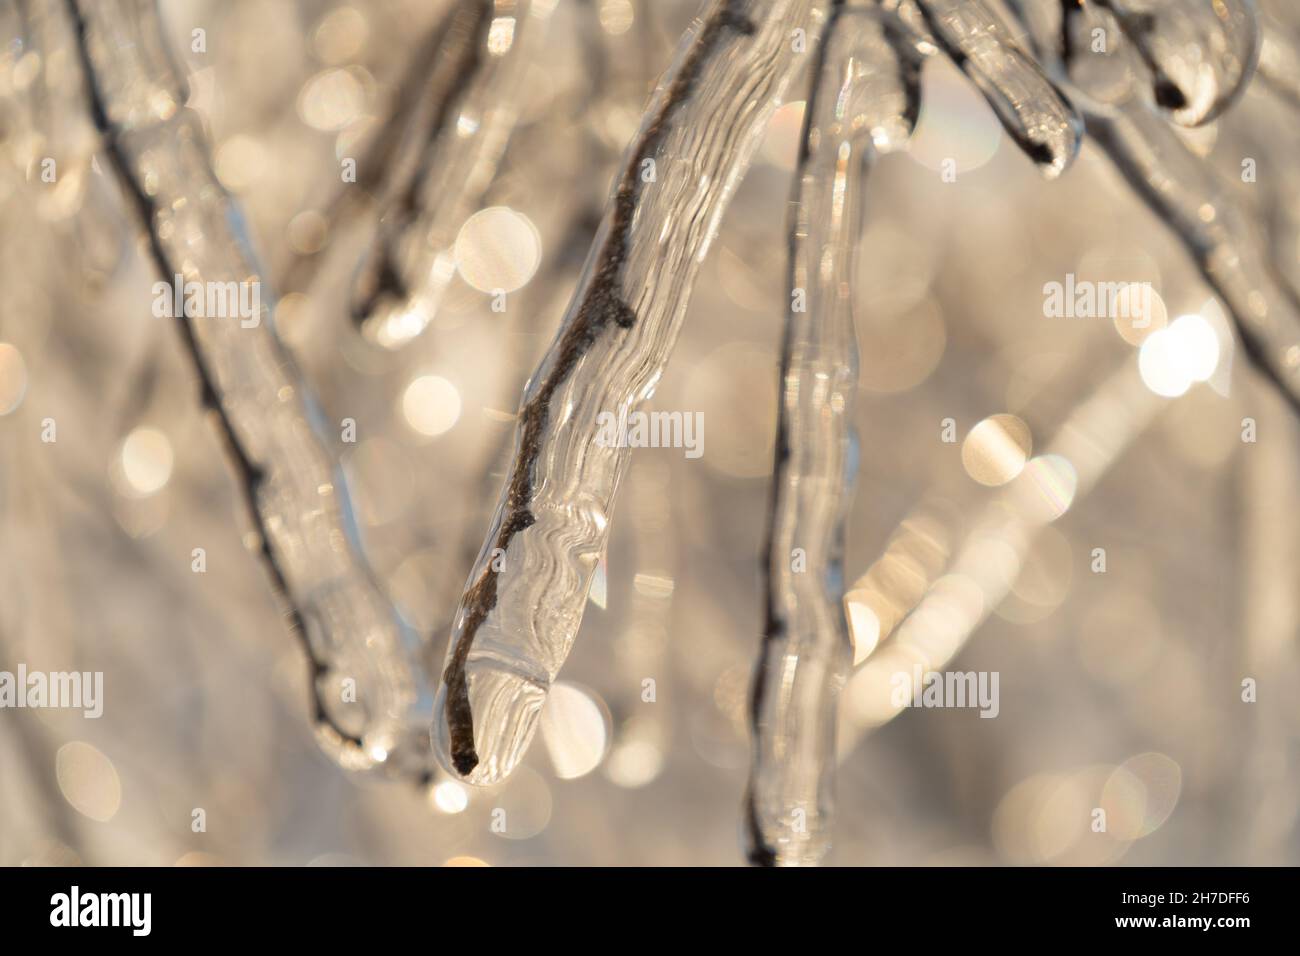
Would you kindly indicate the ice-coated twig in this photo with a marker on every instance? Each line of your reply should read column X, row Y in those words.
column 1082, row 43
column 450, row 60
column 1035, row 114
column 366, row 683
column 1200, row 52
column 526, row 594
column 864, row 98
column 400, row 284
column 391, row 157
column 1184, row 192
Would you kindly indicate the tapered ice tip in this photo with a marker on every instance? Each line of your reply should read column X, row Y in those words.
column 504, row 708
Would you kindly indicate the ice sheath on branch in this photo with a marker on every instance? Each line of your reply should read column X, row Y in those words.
column 366, row 681
column 1183, row 191
column 525, row 596
column 1178, row 186
column 1037, row 115
column 1200, row 53
column 475, row 89
column 392, row 157
column 864, row 99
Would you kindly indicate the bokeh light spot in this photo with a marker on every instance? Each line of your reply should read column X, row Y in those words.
column 996, row 449
column 431, row 405
column 146, row 461
column 498, row 250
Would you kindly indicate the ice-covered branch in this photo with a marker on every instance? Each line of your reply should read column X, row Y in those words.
column 1200, row 52
column 391, row 157
column 1036, row 114
column 1183, row 190
column 475, row 91
column 366, row 682
column 526, row 594
column 864, row 98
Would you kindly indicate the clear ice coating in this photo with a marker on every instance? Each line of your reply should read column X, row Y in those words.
column 474, row 92
column 366, row 684
column 526, row 593
column 865, row 99
column 1184, row 191
column 1200, row 52
column 1094, row 55
column 525, row 599
column 1032, row 110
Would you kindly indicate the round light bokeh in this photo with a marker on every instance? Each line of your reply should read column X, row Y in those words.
column 996, row 449
column 1174, row 359
column 498, row 250
column 431, row 405
column 146, row 462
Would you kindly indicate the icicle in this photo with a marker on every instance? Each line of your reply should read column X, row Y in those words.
column 526, row 595
column 366, row 680
column 1032, row 110
column 865, row 94
column 1200, row 52
column 400, row 285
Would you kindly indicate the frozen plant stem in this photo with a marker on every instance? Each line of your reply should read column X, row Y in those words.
column 1183, row 191
column 526, row 594
column 392, row 159
column 1200, row 52
column 476, row 88
column 864, row 98
column 1032, row 110
column 365, row 679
